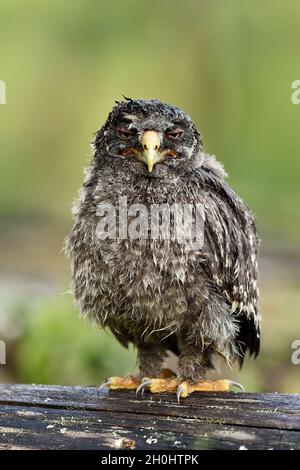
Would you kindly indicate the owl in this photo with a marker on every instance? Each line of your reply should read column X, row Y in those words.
column 157, row 279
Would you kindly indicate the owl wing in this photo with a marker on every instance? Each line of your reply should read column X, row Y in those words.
column 230, row 247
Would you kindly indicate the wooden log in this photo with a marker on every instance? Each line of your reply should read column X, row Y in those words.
column 55, row 417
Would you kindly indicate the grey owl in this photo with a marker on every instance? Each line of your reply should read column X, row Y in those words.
column 151, row 290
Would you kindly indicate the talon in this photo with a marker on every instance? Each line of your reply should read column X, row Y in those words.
column 182, row 391
column 146, row 383
column 105, row 384
column 236, row 384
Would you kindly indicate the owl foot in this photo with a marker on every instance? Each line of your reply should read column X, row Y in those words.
column 183, row 389
column 131, row 382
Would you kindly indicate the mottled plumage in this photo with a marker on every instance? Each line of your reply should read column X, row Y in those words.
column 154, row 293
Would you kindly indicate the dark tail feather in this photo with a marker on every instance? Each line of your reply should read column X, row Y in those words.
column 248, row 338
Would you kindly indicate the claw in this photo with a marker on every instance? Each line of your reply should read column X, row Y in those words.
column 104, row 388
column 236, row 384
column 105, row 384
column 181, row 392
column 145, row 384
column 178, row 393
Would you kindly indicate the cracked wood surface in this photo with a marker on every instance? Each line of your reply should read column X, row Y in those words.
column 56, row 417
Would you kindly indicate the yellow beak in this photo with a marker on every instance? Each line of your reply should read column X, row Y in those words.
column 151, row 143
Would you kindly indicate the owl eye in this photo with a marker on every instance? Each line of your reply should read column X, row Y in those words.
column 125, row 133
column 175, row 134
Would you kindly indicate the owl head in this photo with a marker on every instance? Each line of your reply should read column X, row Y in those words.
column 149, row 137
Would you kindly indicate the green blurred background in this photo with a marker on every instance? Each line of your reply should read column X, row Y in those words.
column 230, row 65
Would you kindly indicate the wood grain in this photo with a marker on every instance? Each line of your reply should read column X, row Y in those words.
column 55, row 417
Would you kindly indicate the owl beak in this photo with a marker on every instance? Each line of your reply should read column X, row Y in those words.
column 151, row 144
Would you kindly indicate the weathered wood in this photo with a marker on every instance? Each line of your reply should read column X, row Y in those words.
column 54, row 417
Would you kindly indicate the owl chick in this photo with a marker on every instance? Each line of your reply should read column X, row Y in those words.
column 140, row 277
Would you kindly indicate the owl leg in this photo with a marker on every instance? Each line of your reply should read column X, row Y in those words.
column 189, row 366
column 192, row 376
column 150, row 362
column 153, row 378
column 192, row 372
column 193, row 365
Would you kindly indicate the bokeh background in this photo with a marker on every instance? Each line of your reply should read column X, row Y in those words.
column 230, row 65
